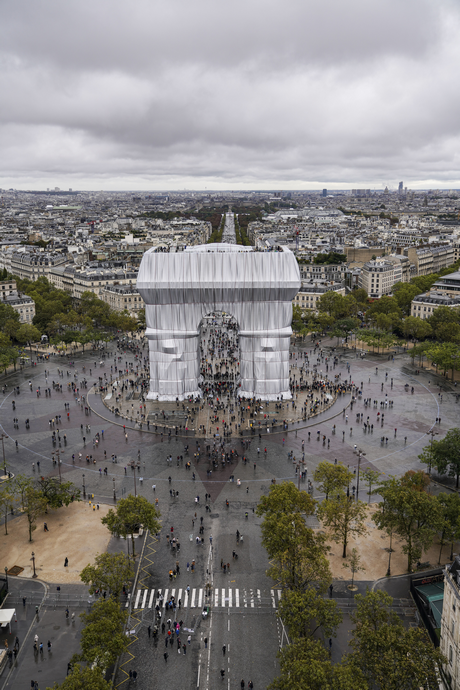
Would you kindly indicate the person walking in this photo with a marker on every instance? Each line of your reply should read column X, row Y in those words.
column 242, row 685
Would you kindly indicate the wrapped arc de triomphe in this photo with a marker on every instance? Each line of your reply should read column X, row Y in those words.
column 255, row 287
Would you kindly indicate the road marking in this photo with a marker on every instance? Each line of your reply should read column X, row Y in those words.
column 152, row 594
column 144, row 600
column 229, row 598
column 237, row 598
column 192, row 605
column 223, row 597
column 272, row 592
column 216, row 598
column 166, row 597
column 137, row 598
column 200, row 598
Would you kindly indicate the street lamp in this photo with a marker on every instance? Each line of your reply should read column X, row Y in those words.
column 3, row 436
column 33, row 563
column 432, row 433
column 389, row 556
column 6, row 577
column 84, row 487
column 59, row 464
column 360, row 453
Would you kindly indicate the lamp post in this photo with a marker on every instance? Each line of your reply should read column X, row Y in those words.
column 84, row 487
column 432, row 433
column 6, row 577
column 33, row 563
column 135, row 490
column 58, row 453
column 3, row 436
column 360, row 453
column 389, row 556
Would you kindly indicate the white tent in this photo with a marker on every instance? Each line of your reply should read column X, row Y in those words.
column 6, row 616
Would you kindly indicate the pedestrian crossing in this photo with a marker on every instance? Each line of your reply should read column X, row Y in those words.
column 198, row 598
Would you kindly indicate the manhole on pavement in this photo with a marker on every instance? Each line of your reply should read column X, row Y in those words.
column 15, row 570
column 214, row 515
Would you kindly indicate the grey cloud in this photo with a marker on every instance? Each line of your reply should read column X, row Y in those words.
column 257, row 92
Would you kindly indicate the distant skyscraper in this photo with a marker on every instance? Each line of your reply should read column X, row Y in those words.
column 324, row 192
column 400, row 187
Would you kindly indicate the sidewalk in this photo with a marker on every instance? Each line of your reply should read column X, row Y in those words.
column 50, row 624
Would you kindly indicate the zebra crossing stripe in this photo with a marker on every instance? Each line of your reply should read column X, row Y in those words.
column 223, row 598
column 137, row 598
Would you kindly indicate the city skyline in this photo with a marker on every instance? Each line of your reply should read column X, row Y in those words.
column 251, row 96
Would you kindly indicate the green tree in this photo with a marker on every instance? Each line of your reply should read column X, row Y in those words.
column 297, row 554
column 390, row 656
column 21, row 484
column 306, row 612
column 103, row 638
column 7, row 500
column 7, row 314
column 109, row 573
column 353, row 564
column 370, row 477
column 404, row 293
column 83, row 678
column 344, row 518
column 416, row 328
column 332, row 478
column 297, row 319
column 444, row 455
column 57, row 493
column 34, row 506
column 384, row 305
column 130, row 514
column 306, row 665
column 141, row 323
column 450, row 532
column 409, row 512
column 344, row 327
column 28, row 334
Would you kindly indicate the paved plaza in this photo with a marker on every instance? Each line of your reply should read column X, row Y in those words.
column 243, row 600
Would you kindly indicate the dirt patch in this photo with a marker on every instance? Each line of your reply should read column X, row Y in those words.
column 373, row 549
column 75, row 532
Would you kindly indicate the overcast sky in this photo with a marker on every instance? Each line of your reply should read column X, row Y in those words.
column 241, row 94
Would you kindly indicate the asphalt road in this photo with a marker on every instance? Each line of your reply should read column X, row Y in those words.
column 248, row 627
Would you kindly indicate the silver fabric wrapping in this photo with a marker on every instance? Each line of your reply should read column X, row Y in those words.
column 256, row 288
